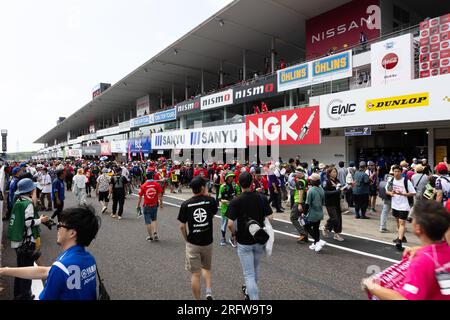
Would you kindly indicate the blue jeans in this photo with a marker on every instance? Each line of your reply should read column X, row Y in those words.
column 250, row 256
column 384, row 214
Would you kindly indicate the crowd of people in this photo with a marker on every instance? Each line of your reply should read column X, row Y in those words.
column 308, row 190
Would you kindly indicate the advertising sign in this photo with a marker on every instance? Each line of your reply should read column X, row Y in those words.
column 119, row 146
column 93, row 150
column 342, row 26
column 392, row 60
column 297, row 126
column 143, row 106
column 361, row 131
column 256, row 90
column 74, row 153
column 337, row 66
column 416, row 100
column 186, row 107
column 105, row 149
column 138, row 145
column 229, row 136
column 163, row 116
column 434, row 47
column 216, row 100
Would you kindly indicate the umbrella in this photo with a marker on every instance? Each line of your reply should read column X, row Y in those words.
column 104, row 158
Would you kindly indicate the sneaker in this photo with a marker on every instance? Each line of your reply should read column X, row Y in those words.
column 312, row 247
column 319, row 246
column 325, row 232
column 365, row 217
column 337, row 237
column 384, row 231
column 104, row 209
column 223, row 242
column 233, row 243
column 245, row 293
column 155, row 236
column 399, row 246
column 357, row 217
column 120, row 218
column 113, row 215
column 149, row 239
column 209, row 296
column 301, row 239
column 280, row 211
column 404, row 240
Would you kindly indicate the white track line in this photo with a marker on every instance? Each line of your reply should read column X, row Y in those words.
column 328, row 244
column 345, row 234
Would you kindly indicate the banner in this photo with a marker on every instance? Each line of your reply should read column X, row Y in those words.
column 74, row 153
column 163, row 116
column 105, row 149
column 138, row 145
column 216, row 100
column 392, row 60
column 187, row 107
column 434, row 49
column 93, row 150
column 256, row 90
column 297, row 126
column 143, row 106
column 416, row 100
column 119, row 146
column 338, row 66
column 229, row 136
column 342, row 26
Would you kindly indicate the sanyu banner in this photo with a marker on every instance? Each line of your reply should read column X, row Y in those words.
column 230, row 136
column 256, row 90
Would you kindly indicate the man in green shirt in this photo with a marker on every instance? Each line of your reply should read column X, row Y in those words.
column 297, row 210
column 227, row 192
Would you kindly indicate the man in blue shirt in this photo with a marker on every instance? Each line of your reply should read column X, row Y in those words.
column 58, row 195
column 73, row 275
column 12, row 189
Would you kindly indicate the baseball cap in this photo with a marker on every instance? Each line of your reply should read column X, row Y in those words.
column 362, row 164
column 370, row 163
column 15, row 170
column 351, row 164
column 315, row 177
column 322, row 166
column 441, row 168
column 23, row 165
column 230, row 175
column 198, row 182
column 245, row 179
column 300, row 170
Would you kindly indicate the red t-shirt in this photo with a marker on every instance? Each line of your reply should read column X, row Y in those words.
column 150, row 190
column 201, row 171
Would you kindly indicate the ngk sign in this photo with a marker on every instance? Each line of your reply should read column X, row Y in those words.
column 392, row 60
column 295, row 126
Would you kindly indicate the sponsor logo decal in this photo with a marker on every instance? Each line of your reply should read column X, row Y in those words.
column 337, row 109
column 390, row 61
column 398, row 102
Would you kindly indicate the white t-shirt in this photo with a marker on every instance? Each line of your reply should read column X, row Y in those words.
column 399, row 202
column 80, row 181
column 46, row 183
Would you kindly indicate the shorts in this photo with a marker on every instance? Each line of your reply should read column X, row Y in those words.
column 150, row 214
column 198, row 257
column 402, row 215
column 373, row 190
column 103, row 196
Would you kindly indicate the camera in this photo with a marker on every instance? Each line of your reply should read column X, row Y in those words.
column 49, row 224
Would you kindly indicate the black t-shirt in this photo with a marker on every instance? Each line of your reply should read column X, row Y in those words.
column 198, row 212
column 255, row 206
column 118, row 185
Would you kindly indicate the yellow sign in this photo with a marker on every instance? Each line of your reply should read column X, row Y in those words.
column 399, row 102
column 440, row 153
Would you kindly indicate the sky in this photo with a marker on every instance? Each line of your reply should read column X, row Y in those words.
column 54, row 52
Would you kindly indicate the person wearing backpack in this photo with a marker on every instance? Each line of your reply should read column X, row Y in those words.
column 23, row 231
column 118, row 190
column 387, row 200
column 419, row 180
column 402, row 188
column 73, row 275
column 249, row 247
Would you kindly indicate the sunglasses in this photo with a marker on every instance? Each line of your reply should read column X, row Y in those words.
column 60, row 225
